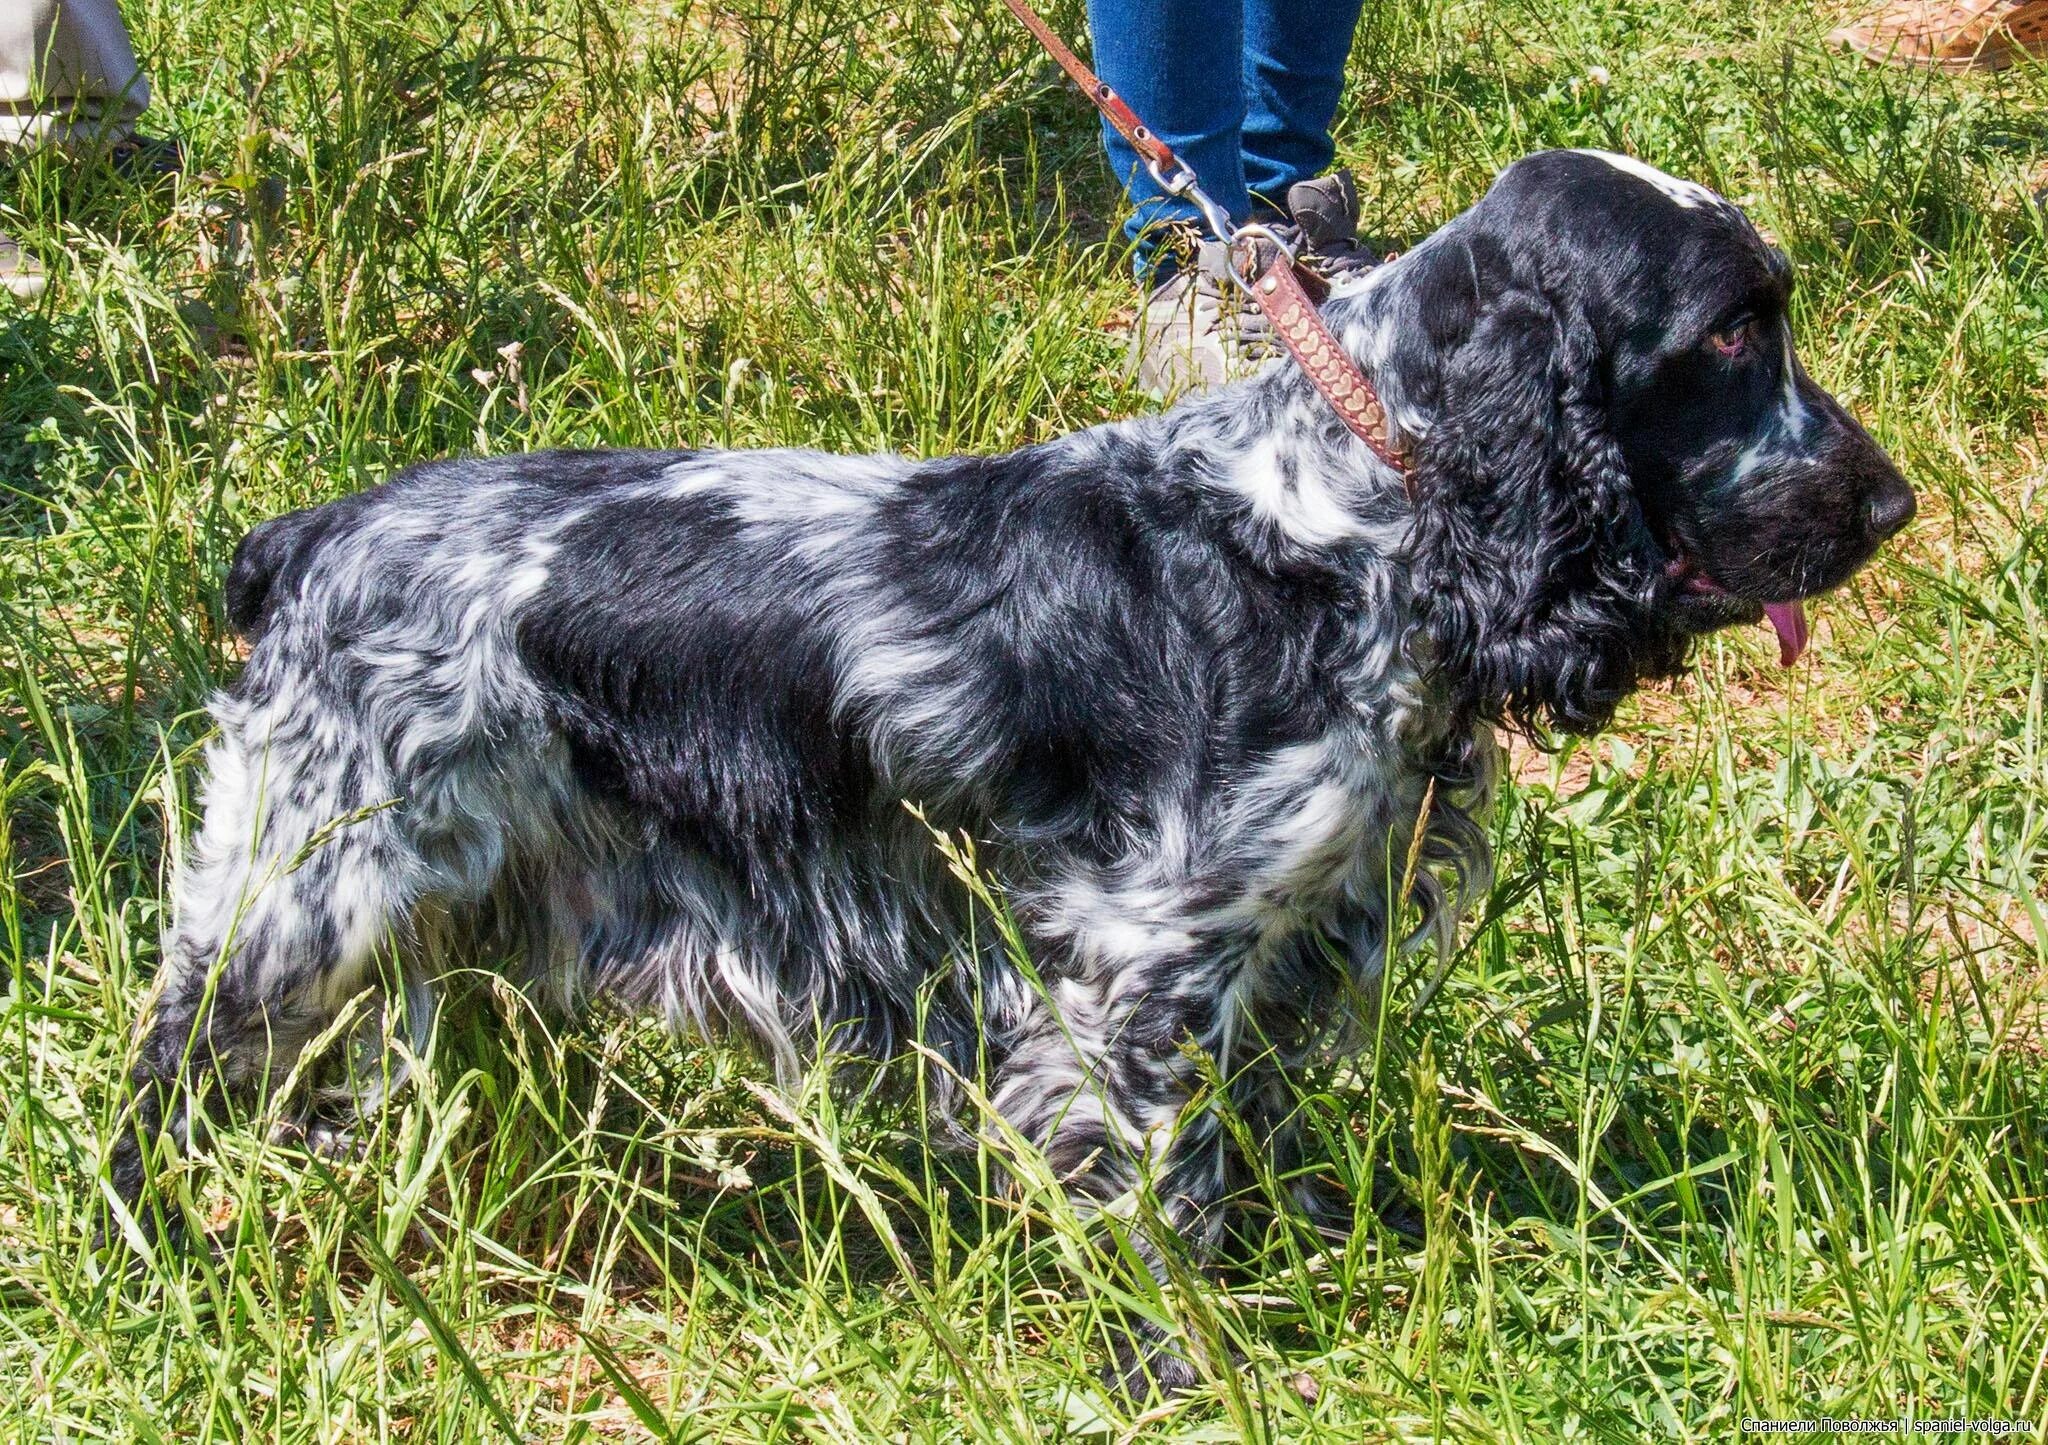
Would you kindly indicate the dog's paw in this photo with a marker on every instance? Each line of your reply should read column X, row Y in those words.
column 329, row 1139
column 1146, row 1361
column 161, row 1225
column 156, row 1217
column 1325, row 1205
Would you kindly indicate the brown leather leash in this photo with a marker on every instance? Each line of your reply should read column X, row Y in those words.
column 1285, row 290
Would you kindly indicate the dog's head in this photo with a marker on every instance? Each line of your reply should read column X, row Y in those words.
column 1624, row 452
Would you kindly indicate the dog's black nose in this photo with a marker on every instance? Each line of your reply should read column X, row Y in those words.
column 1891, row 506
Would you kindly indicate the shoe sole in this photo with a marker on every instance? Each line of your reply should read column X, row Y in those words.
column 1989, row 59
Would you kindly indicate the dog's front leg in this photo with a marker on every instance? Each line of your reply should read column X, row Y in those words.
column 1108, row 1082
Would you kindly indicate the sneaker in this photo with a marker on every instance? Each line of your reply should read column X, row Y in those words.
column 146, row 159
column 1325, row 211
column 1949, row 34
column 21, row 274
column 1198, row 329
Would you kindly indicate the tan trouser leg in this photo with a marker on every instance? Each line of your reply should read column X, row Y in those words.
column 67, row 72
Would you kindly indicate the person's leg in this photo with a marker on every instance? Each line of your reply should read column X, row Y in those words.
column 1179, row 66
column 1293, row 58
column 21, row 274
column 67, row 73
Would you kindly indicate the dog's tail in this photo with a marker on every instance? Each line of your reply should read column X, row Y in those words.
column 268, row 565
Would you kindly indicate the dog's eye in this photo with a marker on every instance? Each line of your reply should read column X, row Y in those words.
column 1733, row 341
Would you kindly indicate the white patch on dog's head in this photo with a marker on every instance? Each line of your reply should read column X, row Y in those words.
column 1793, row 411
column 1687, row 195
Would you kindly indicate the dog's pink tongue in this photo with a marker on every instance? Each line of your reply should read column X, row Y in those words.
column 1790, row 620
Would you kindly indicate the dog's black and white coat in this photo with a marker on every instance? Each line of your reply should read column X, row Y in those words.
column 652, row 719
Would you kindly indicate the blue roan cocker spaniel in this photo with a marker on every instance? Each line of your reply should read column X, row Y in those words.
column 643, row 726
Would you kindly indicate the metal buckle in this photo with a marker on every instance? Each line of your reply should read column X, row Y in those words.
column 1235, row 239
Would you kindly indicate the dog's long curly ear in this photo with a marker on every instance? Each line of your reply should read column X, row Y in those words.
column 1534, row 568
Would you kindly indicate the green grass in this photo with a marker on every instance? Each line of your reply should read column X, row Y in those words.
column 1733, row 1104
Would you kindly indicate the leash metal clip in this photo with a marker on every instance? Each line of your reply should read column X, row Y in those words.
column 1183, row 183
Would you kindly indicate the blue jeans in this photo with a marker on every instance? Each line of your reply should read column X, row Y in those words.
column 1243, row 90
